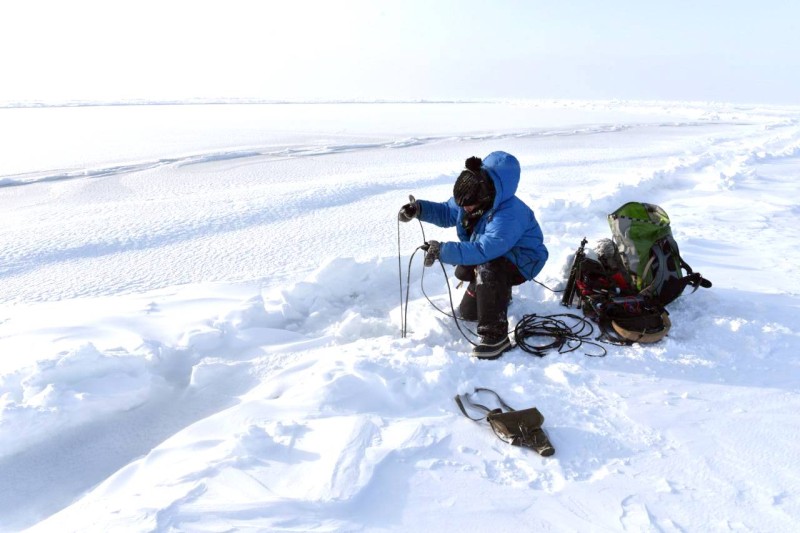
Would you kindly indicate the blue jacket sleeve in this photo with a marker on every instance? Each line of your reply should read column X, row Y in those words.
column 442, row 214
column 501, row 234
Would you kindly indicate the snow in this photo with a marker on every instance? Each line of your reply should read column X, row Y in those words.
column 200, row 321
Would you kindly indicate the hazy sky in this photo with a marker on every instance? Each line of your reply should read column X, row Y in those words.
column 743, row 51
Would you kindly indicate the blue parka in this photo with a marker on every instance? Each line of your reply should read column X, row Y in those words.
column 509, row 229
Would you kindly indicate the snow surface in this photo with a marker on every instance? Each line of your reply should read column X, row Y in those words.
column 200, row 322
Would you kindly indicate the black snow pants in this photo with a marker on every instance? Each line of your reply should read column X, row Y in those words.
column 488, row 295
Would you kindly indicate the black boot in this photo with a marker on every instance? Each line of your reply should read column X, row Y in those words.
column 492, row 291
column 491, row 347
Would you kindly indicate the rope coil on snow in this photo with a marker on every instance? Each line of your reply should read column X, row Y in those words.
column 566, row 338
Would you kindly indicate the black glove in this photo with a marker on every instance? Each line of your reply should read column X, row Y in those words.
column 432, row 249
column 408, row 211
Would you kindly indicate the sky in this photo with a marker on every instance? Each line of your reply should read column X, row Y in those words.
column 360, row 49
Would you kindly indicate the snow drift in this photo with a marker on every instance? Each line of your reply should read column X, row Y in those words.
column 201, row 332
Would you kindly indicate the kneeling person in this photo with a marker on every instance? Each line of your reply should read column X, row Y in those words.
column 500, row 243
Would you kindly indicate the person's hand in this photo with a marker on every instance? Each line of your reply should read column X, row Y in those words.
column 432, row 249
column 410, row 210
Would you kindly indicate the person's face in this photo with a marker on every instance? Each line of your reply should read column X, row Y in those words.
column 470, row 208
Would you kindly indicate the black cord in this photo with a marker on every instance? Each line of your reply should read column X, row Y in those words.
column 404, row 304
column 452, row 305
column 566, row 338
column 400, row 276
column 452, row 308
column 548, row 288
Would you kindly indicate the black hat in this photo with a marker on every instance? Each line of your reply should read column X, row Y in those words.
column 473, row 186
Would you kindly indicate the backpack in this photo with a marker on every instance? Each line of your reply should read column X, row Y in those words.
column 649, row 253
column 626, row 288
column 604, row 291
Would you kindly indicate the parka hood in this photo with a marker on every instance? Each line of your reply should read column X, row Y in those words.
column 504, row 170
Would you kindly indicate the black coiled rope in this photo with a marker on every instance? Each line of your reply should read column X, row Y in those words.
column 565, row 337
